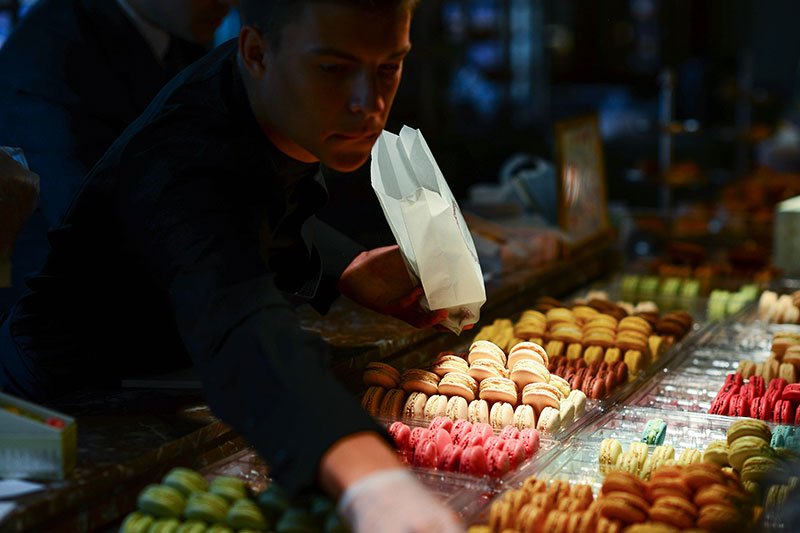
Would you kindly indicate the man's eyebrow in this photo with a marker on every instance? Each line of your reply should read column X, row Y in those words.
column 330, row 51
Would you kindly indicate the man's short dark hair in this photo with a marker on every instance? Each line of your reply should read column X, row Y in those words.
column 270, row 16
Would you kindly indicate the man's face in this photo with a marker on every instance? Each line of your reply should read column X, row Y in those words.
column 327, row 88
column 193, row 20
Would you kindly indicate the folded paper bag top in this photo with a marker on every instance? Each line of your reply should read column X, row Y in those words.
column 428, row 226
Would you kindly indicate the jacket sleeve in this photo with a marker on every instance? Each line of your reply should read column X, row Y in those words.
column 262, row 374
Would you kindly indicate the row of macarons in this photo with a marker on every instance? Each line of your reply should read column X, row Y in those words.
column 777, row 401
column 782, row 309
column 675, row 498
column 547, row 413
column 185, row 502
column 464, row 447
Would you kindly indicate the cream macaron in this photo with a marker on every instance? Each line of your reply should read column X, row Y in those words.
column 527, row 350
column 498, row 390
column 481, row 369
column 458, row 384
column 416, row 380
column 449, row 363
column 527, row 371
column 501, row 415
column 478, row 411
column 486, row 350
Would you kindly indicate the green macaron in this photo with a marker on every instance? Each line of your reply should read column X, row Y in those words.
column 164, row 525
column 161, row 501
column 191, row 526
column 185, row 480
column 206, row 507
column 230, row 488
column 219, row 528
column 136, row 522
column 245, row 514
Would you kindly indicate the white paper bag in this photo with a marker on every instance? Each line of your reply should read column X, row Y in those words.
column 427, row 223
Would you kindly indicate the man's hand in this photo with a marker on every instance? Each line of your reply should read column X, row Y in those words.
column 378, row 280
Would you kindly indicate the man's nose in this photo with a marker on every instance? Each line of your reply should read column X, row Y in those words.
column 366, row 96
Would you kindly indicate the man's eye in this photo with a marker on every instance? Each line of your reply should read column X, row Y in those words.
column 390, row 68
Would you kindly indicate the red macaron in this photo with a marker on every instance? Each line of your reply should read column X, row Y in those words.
column 758, row 386
column 782, row 414
column 497, row 463
column 426, row 454
column 450, row 458
column 791, row 392
column 401, row 435
column 758, row 409
column 738, row 406
column 721, row 404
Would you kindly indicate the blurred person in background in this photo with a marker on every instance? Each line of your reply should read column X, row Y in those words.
column 19, row 190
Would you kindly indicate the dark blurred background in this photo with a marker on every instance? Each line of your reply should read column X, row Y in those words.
column 488, row 79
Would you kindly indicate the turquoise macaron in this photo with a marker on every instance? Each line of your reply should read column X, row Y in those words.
column 654, row 432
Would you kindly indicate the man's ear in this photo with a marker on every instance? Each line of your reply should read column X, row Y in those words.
column 252, row 51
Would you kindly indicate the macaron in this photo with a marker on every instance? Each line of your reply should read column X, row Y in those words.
column 481, row 369
column 486, row 349
column 457, row 408
column 524, row 417
column 415, row 405
column 721, row 404
column 654, row 432
column 372, row 400
column 443, row 422
column 549, row 420
column 392, row 405
column 478, row 411
column 515, row 450
column 473, row 461
column 206, row 507
column 426, row 454
column 529, row 437
column 483, row 430
column 561, row 384
column 416, row 380
column 749, row 427
column 539, row 396
column 716, row 453
column 401, row 436
column 791, row 392
column 458, row 384
column 738, row 406
column 161, row 501
column 449, row 363
column 497, row 462
column 245, row 514
column 461, row 430
column 783, row 412
column 498, row 390
column 527, row 350
column 757, row 468
column 554, row 348
column 745, row 447
column 501, row 415
column 381, row 375
column 759, row 408
column 690, row 456
column 450, row 458
column 185, row 480
column 136, row 522
column 435, row 406
column 527, row 371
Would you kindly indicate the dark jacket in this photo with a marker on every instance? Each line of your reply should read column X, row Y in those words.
column 75, row 74
column 184, row 242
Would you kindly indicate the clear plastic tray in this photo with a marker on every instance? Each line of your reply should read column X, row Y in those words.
column 578, row 462
column 691, row 383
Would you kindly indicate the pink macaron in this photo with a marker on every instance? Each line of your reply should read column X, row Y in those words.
column 473, row 461
column 401, row 435
column 482, row 429
column 417, row 436
column 497, row 463
column 426, row 454
column 441, row 438
column 450, row 458
column 473, row 439
column 443, row 422
column 461, row 430
column 529, row 438
column 509, row 432
column 516, row 452
column 494, row 443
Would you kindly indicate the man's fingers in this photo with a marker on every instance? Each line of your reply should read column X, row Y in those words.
column 410, row 299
